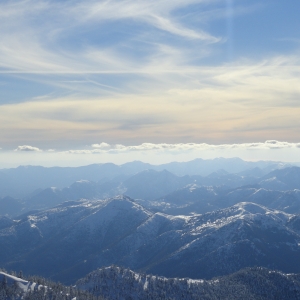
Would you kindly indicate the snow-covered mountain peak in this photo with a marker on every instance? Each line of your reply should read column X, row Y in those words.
column 123, row 202
column 159, row 223
column 235, row 217
column 192, row 187
column 250, row 208
column 82, row 181
column 81, row 184
column 6, row 222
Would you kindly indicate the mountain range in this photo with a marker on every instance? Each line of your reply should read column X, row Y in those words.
column 22, row 181
column 201, row 199
column 176, row 221
column 166, row 192
column 70, row 240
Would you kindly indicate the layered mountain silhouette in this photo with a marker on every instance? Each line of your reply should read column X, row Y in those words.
column 166, row 189
column 202, row 199
column 24, row 180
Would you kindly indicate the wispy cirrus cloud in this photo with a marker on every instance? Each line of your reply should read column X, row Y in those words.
column 132, row 70
column 244, row 101
column 155, row 13
column 68, row 46
column 27, row 48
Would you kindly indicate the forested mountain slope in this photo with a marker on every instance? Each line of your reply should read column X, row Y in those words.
column 38, row 288
column 251, row 284
column 70, row 240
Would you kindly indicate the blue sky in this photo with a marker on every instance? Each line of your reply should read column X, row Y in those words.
column 74, row 74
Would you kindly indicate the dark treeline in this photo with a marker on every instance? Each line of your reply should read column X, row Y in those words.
column 44, row 289
column 123, row 284
column 250, row 283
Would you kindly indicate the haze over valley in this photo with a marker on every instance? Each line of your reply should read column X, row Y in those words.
column 177, row 220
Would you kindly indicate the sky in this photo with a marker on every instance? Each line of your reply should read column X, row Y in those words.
column 87, row 81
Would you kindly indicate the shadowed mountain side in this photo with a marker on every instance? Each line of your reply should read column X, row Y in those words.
column 6, row 222
column 10, row 206
column 282, row 180
column 151, row 184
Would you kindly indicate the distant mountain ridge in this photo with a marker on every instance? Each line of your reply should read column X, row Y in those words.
column 20, row 182
column 203, row 199
column 166, row 192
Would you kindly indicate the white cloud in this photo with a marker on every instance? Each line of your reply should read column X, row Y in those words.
column 28, row 148
column 101, row 146
column 184, row 147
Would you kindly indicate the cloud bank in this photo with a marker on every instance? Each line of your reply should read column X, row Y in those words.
column 118, row 148
column 154, row 153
